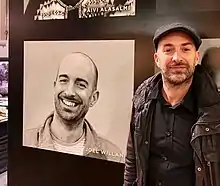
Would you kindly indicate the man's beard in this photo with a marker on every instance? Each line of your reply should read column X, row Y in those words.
column 178, row 77
column 69, row 117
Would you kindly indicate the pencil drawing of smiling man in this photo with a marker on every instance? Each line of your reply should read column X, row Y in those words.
column 67, row 130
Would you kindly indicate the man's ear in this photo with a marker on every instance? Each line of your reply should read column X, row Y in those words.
column 156, row 59
column 197, row 57
column 54, row 83
column 94, row 98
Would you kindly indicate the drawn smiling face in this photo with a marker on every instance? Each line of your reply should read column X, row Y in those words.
column 74, row 90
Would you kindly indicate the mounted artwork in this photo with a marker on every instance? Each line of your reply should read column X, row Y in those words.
column 63, row 94
column 57, row 9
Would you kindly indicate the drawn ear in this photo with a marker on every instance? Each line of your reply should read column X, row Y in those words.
column 94, row 98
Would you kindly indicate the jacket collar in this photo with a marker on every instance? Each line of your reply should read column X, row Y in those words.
column 205, row 92
column 207, row 96
column 91, row 142
column 205, row 88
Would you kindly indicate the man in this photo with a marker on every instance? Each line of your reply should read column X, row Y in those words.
column 175, row 128
column 66, row 129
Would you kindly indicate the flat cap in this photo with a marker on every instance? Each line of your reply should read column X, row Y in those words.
column 166, row 29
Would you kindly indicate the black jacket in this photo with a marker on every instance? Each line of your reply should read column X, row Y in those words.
column 205, row 132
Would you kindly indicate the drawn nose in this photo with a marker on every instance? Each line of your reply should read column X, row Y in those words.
column 70, row 91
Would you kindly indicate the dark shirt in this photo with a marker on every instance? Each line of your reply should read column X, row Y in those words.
column 171, row 155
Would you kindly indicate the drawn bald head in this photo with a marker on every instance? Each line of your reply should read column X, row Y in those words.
column 75, row 88
column 81, row 65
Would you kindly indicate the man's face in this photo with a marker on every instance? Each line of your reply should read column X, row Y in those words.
column 74, row 88
column 176, row 57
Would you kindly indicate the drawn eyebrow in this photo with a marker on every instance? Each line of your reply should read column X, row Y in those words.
column 77, row 79
column 83, row 80
column 63, row 76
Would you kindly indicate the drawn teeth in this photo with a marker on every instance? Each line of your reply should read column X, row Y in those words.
column 68, row 103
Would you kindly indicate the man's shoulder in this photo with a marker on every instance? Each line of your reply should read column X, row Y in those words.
column 101, row 147
column 111, row 151
column 30, row 136
column 144, row 88
column 107, row 145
